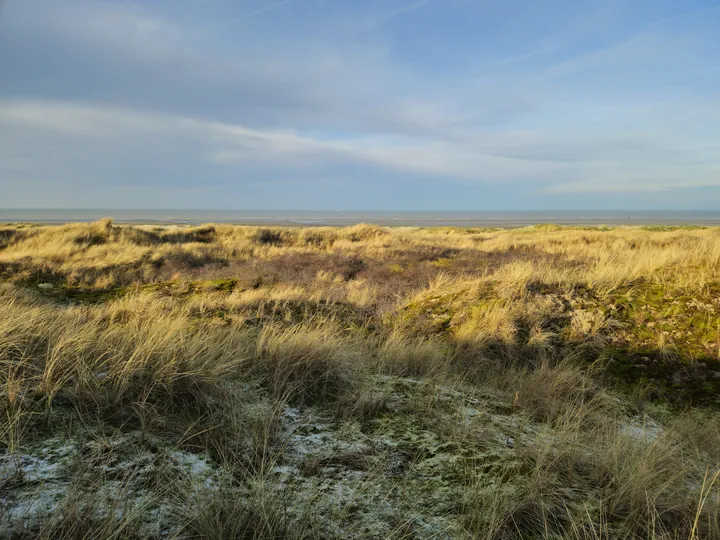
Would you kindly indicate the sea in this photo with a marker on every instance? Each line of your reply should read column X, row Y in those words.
column 473, row 218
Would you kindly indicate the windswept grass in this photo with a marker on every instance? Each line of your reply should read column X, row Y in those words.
column 363, row 382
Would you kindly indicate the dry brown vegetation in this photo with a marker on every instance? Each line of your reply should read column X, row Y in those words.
column 363, row 382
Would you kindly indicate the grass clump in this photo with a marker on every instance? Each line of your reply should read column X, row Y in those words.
column 307, row 363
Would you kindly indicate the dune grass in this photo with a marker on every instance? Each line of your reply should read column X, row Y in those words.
column 547, row 382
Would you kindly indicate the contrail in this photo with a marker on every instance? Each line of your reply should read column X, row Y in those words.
column 250, row 15
column 687, row 13
column 407, row 8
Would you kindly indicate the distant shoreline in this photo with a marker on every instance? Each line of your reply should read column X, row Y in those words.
column 501, row 220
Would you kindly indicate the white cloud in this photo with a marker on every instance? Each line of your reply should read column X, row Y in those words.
column 555, row 164
column 228, row 143
column 647, row 180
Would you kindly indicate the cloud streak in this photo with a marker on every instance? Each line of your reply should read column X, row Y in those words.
column 236, row 144
column 247, row 16
column 406, row 9
column 605, row 165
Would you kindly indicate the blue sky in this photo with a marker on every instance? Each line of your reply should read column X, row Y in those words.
column 360, row 104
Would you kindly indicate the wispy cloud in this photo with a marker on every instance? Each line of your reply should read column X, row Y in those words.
column 247, row 16
column 642, row 164
column 408, row 8
column 236, row 144
column 685, row 13
column 389, row 16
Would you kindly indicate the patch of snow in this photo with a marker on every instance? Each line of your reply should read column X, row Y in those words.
column 46, row 500
column 38, row 479
column 642, row 429
column 200, row 470
column 285, row 470
column 291, row 413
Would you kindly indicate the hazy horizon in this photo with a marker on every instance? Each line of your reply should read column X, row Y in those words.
column 454, row 218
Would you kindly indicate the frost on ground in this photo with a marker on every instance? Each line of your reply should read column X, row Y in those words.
column 378, row 476
column 645, row 429
column 409, row 469
column 358, row 476
column 121, row 474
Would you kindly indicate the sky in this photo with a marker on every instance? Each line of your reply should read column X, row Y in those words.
column 360, row 104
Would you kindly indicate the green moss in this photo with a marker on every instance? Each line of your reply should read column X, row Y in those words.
column 220, row 285
column 430, row 316
column 443, row 263
column 670, row 323
column 664, row 380
column 63, row 292
column 91, row 296
column 438, row 313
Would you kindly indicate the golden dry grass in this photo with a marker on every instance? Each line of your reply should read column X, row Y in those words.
column 596, row 349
